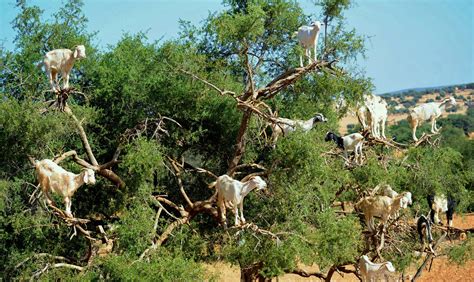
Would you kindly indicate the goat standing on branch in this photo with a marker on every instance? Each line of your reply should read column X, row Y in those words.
column 423, row 227
column 351, row 142
column 61, row 61
column 54, row 178
column 392, row 194
column 308, row 38
column 285, row 126
column 373, row 115
column 439, row 204
column 381, row 206
column 233, row 191
column 428, row 111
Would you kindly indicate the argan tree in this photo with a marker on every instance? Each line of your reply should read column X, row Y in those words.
column 158, row 122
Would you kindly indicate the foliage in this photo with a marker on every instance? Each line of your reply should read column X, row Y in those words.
column 162, row 267
column 460, row 254
column 134, row 83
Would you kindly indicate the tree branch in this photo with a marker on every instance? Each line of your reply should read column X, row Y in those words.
column 428, row 257
column 180, row 182
column 100, row 169
column 288, row 78
column 83, row 135
column 213, row 86
column 303, row 273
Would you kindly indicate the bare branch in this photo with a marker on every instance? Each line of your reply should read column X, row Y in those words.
column 303, row 273
column 168, row 202
column 150, row 127
column 176, row 166
column 67, row 265
column 288, row 78
column 250, row 83
column 166, row 211
column 41, row 255
column 221, row 92
column 425, row 138
column 240, row 143
column 64, row 156
column 83, row 135
column 428, row 257
column 253, row 165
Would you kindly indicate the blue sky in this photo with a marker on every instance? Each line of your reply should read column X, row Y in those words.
column 413, row 43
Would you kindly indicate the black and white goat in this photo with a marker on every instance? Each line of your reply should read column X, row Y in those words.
column 352, row 142
column 284, row 126
column 423, row 227
column 439, row 204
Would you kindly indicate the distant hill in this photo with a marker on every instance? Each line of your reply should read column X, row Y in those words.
column 400, row 102
column 427, row 90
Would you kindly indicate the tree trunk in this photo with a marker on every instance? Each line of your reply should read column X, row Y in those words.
column 251, row 273
column 240, row 144
column 325, row 37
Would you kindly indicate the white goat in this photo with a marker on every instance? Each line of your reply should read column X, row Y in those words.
column 385, row 190
column 428, row 111
column 381, row 206
column 373, row 114
column 61, row 61
column 285, row 126
column 389, row 192
column 233, row 191
column 308, row 39
column 352, row 142
column 52, row 177
column 371, row 271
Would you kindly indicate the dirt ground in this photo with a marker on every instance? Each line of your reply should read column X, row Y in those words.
column 441, row 269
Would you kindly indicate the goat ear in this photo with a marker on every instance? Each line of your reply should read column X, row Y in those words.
column 75, row 53
column 86, row 176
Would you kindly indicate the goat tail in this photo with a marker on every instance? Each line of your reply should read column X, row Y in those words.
column 210, row 186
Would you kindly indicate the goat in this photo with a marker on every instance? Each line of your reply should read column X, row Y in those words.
column 381, row 206
column 233, row 191
column 285, row 126
column 61, row 61
column 373, row 115
column 386, row 190
column 428, row 111
column 423, row 225
column 439, row 204
column 54, row 178
column 308, row 38
column 351, row 142
column 389, row 192
column 371, row 271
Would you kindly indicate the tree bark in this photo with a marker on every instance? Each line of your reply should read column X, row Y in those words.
column 83, row 135
column 240, row 144
column 251, row 273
